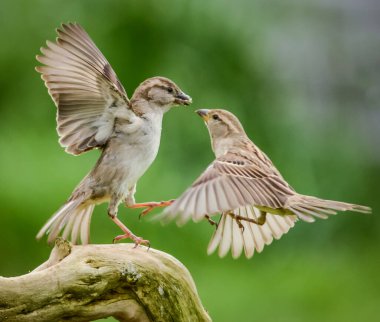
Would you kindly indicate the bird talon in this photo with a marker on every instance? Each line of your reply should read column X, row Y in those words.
column 211, row 222
column 241, row 226
column 138, row 241
column 146, row 211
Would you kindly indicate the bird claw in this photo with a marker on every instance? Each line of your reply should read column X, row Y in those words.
column 138, row 240
column 149, row 206
column 146, row 211
column 211, row 222
column 241, row 226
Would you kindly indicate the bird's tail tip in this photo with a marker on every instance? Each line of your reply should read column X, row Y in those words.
column 71, row 221
column 308, row 208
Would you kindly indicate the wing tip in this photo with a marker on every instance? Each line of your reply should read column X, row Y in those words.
column 362, row 209
column 68, row 27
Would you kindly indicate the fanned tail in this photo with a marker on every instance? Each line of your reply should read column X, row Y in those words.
column 308, row 208
column 72, row 221
column 253, row 237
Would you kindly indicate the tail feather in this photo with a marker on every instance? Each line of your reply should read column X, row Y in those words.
column 85, row 227
column 68, row 226
column 59, row 214
column 307, row 207
column 253, row 237
column 60, row 224
column 76, row 226
column 72, row 219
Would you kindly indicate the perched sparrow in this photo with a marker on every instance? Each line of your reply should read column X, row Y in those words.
column 94, row 112
column 256, row 202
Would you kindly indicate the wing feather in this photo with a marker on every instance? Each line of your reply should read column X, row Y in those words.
column 253, row 237
column 228, row 183
column 84, row 87
column 248, row 240
column 226, row 239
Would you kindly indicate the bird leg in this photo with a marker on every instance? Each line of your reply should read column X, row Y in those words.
column 259, row 221
column 149, row 206
column 262, row 219
column 212, row 222
column 127, row 233
column 112, row 212
column 237, row 218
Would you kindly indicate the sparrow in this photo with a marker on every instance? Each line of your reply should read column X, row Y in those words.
column 94, row 112
column 255, row 201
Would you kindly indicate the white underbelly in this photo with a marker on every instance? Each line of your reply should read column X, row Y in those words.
column 129, row 154
column 136, row 161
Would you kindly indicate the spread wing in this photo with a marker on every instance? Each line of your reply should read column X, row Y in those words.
column 252, row 237
column 84, row 87
column 228, row 183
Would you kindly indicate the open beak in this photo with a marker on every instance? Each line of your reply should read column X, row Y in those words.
column 203, row 113
column 183, row 99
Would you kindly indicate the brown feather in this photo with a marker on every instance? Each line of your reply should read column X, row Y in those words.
column 84, row 87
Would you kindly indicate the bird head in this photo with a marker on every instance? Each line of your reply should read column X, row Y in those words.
column 221, row 123
column 161, row 92
column 225, row 129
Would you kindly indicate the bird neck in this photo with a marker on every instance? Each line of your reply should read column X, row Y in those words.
column 144, row 107
column 223, row 145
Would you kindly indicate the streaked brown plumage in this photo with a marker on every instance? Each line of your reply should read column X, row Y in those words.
column 93, row 111
column 243, row 183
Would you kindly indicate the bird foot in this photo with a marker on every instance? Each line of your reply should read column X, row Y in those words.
column 241, row 227
column 128, row 233
column 212, row 222
column 260, row 221
column 238, row 219
column 138, row 240
column 149, row 206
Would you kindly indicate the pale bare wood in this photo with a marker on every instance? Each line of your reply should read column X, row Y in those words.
column 86, row 283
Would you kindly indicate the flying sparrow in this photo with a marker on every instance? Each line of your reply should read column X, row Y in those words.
column 93, row 111
column 242, row 183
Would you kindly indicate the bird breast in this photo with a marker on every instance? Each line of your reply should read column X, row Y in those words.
column 131, row 154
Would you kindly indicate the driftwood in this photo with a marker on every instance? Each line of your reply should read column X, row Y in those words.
column 86, row 283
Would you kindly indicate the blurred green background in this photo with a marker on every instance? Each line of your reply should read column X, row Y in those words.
column 303, row 77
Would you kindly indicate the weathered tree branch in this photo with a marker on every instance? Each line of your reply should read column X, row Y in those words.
column 86, row 283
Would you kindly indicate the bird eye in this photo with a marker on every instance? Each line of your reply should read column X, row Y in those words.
column 170, row 90
column 215, row 117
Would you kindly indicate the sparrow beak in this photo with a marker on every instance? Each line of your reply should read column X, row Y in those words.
column 203, row 113
column 183, row 99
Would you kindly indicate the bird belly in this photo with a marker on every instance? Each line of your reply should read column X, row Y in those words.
column 125, row 159
column 134, row 160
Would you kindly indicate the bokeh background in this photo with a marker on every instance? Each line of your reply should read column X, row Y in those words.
column 303, row 77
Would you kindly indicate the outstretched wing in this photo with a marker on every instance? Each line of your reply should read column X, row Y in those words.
column 252, row 237
column 228, row 183
column 84, row 88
